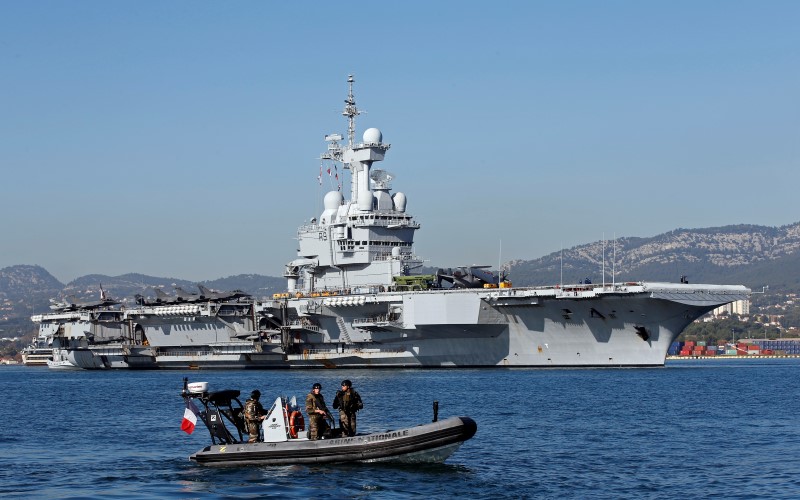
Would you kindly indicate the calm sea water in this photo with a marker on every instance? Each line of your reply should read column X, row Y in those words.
column 727, row 429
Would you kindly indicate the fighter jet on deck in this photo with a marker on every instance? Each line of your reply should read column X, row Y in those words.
column 208, row 294
column 162, row 299
column 185, row 296
column 72, row 303
column 467, row 277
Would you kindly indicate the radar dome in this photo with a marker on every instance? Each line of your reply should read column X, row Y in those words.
column 332, row 200
column 399, row 201
column 372, row 135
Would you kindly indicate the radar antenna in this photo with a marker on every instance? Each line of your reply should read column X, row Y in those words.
column 381, row 178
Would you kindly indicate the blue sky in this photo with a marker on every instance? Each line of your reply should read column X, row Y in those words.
column 181, row 139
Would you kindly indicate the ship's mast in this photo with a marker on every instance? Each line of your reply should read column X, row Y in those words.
column 358, row 158
column 335, row 150
column 350, row 111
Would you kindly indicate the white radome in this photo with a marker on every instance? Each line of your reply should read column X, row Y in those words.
column 400, row 201
column 332, row 200
column 372, row 135
column 197, row 387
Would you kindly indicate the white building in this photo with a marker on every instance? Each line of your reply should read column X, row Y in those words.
column 740, row 307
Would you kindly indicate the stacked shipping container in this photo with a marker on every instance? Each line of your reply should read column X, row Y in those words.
column 789, row 347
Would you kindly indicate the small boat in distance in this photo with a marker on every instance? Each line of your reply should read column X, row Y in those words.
column 38, row 353
column 284, row 443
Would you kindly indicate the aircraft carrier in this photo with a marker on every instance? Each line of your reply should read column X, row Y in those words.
column 353, row 300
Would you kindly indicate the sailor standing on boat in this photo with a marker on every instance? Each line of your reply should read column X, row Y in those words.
column 253, row 415
column 317, row 411
column 348, row 401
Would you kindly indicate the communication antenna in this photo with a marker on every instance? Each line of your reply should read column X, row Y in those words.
column 499, row 262
column 350, row 111
column 335, row 150
column 614, row 263
column 604, row 261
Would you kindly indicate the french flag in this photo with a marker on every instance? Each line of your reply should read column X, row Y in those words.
column 189, row 417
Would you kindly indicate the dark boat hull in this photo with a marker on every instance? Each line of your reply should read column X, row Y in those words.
column 432, row 442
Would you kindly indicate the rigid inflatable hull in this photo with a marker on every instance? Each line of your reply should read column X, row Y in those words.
column 432, row 442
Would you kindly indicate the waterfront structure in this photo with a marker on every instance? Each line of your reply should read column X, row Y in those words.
column 740, row 307
column 38, row 352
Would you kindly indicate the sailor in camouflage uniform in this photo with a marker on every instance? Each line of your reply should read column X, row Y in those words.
column 316, row 410
column 348, row 401
column 253, row 415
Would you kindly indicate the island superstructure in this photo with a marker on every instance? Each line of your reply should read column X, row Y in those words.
column 365, row 241
column 353, row 300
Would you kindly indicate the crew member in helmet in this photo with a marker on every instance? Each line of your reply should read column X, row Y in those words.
column 348, row 401
column 317, row 411
column 253, row 415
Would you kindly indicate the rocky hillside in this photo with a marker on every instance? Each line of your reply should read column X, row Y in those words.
column 751, row 255
column 26, row 287
column 23, row 290
column 743, row 254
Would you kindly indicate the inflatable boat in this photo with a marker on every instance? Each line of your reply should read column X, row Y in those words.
column 283, row 440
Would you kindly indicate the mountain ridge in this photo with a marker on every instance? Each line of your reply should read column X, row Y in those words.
column 747, row 254
column 721, row 255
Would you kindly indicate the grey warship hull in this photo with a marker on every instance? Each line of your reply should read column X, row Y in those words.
column 353, row 301
column 621, row 325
